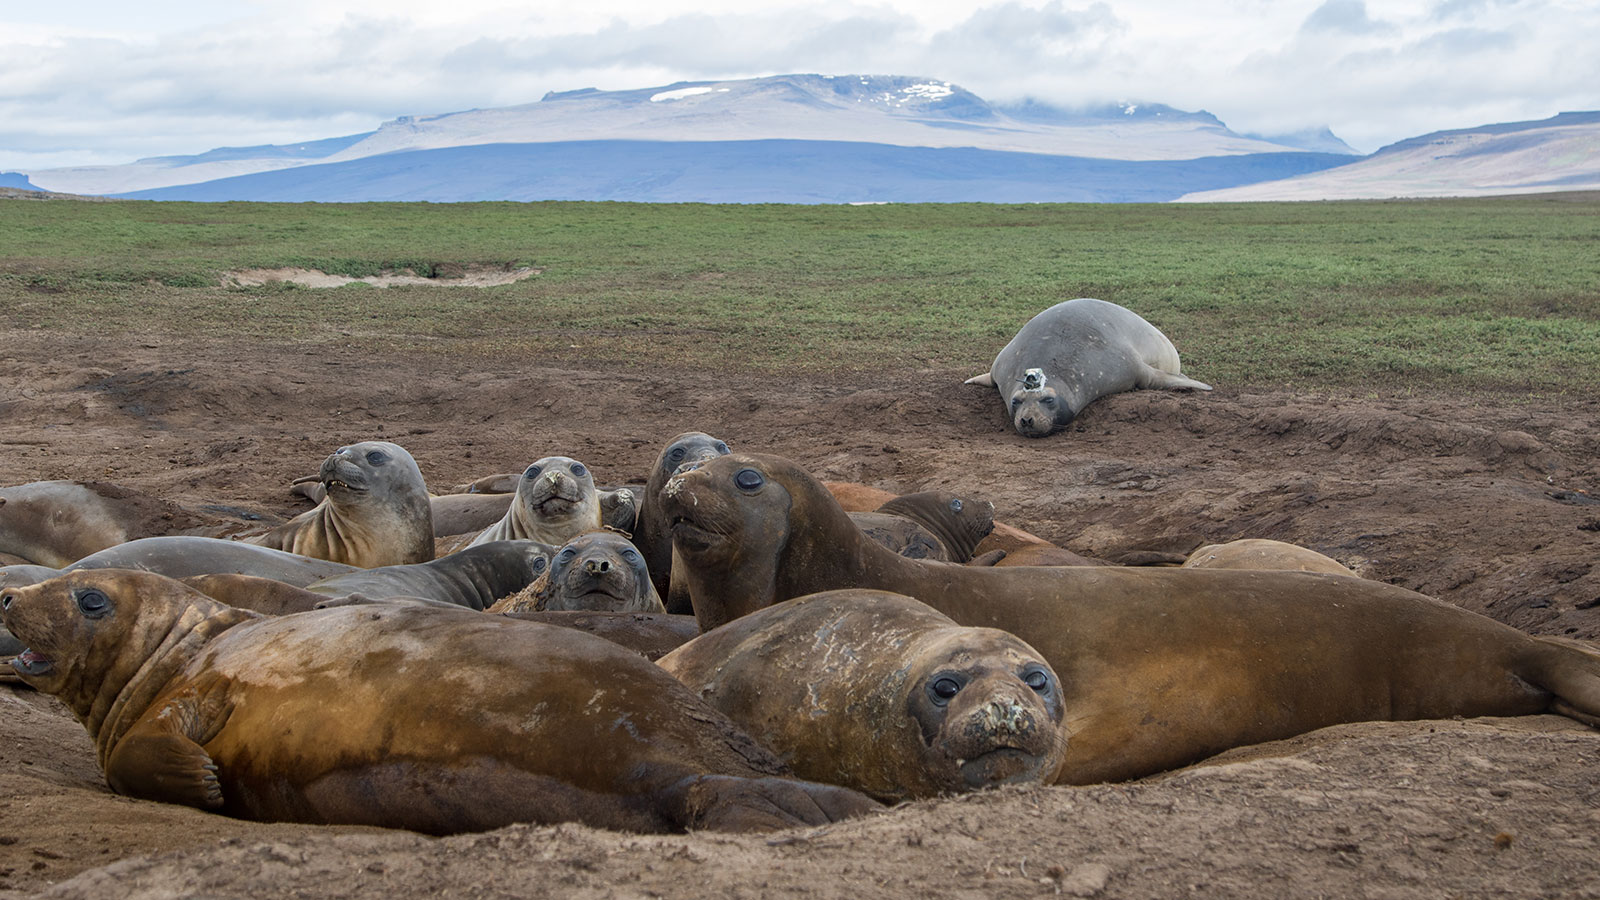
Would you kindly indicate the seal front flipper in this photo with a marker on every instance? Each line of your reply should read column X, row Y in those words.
column 732, row 803
column 153, row 762
column 986, row 379
column 161, row 756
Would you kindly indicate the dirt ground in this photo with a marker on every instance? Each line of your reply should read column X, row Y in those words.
column 1484, row 502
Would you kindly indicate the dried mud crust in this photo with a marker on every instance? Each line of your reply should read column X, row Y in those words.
column 1484, row 502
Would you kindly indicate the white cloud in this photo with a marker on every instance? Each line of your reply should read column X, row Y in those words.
column 110, row 85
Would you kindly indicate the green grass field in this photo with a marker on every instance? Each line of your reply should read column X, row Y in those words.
column 1477, row 295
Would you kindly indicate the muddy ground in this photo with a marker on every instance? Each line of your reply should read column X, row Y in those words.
column 1484, row 502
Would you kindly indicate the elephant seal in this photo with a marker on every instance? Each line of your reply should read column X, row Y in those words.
column 556, row 501
column 475, row 577
column 1073, row 353
column 598, row 570
column 1260, row 553
column 376, row 511
column 1162, row 666
column 959, row 523
column 366, row 715
column 180, row 557
column 653, row 534
column 880, row 693
column 54, row 523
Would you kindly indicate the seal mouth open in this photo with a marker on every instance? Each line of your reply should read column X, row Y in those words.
column 1002, row 765
column 556, row 505
column 29, row 662
column 690, row 536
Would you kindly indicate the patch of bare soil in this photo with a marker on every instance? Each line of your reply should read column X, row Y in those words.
column 448, row 276
column 1484, row 502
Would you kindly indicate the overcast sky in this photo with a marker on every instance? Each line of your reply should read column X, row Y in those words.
column 104, row 82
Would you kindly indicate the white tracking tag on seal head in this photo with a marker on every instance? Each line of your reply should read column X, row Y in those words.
column 1033, row 380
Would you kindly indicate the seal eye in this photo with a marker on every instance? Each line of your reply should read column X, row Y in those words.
column 533, row 471
column 539, row 564
column 93, row 603
column 1048, row 401
column 5, row 602
column 568, row 554
column 722, row 448
column 943, row 688
column 630, row 556
column 955, row 505
column 578, row 469
column 376, row 457
column 1016, row 402
column 1037, row 679
column 675, row 454
column 749, row 479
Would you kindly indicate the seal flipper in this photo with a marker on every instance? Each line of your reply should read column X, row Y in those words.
column 732, row 803
column 154, row 762
column 1571, row 671
column 1155, row 379
column 986, row 379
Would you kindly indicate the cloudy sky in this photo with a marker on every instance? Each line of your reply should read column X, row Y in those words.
column 103, row 82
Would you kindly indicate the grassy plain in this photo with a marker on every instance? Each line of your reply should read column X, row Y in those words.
column 1473, row 294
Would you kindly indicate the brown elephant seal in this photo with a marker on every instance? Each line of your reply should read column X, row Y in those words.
column 555, row 502
column 1260, row 553
column 651, row 635
column 180, row 557
column 879, row 692
column 55, row 523
column 190, row 701
column 599, row 571
column 653, row 534
column 475, row 577
column 1073, row 353
column 376, row 511
column 959, row 523
column 1161, row 666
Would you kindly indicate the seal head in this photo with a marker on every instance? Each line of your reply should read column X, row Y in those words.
column 1037, row 408
column 375, row 512
column 599, row 571
column 556, row 501
column 878, row 692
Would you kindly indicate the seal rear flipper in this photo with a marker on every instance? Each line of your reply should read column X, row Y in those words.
column 732, row 803
column 1571, row 671
column 1156, row 379
column 986, row 379
column 154, row 763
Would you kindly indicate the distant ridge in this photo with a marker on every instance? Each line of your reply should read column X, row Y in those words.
column 742, row 172
column 17, row 180
column 1561, row 153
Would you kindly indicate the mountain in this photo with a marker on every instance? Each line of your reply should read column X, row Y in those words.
column 16, row 180
column 771, row 171
column 884, row 125
column 1558, row 153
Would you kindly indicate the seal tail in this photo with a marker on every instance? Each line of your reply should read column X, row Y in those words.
column 1571, row 671
column 986, row 379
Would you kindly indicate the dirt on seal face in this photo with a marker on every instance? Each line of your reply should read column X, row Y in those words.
column 1491, row 503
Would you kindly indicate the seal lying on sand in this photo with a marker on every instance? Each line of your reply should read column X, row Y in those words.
column 475, row 577
column 929, row 525
column 1161, row 666
column 187, row 699
column 54, row 523
column 1260, row 553
column 1073, row 353
column 880, row 693
column 600, row 571
column 180, row 557
column 555, row 502
column 376, row 511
